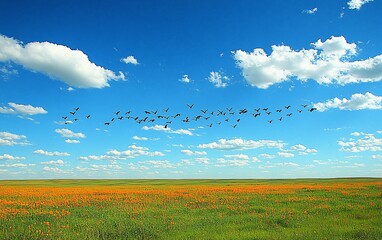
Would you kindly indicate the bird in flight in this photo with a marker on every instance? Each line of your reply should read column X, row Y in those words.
column 204, row 111
column 166, row 110
column 304, row 105
column 287, row 107
column 190, row 105
column 116, row 113
column 65, row 117
column 242, row 111
column 76, row 109
column 312, row 109
column 88, row 116
column 107, row 123
column 72, row 113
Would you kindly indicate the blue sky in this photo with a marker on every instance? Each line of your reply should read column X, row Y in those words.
column 136, row 56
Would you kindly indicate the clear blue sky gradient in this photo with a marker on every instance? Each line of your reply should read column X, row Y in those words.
column 171, row 39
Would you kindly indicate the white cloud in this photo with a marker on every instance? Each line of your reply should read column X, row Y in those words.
column 8, row 157
column 222, row 162
column 130, row 60
column 54, row 163
column 133, row 151
column 64, row 132
column 46, row 153
column 285, row 154
column 310, row 11
column 57, row 61
column 357, row 4
column 218, row 80
column 303, row 150
column 11, row 139
column 240, row 144
column 54, row 170
column 357, row 134
column 193, row 153
column 298, row 147
column 267, row 156
column 18, row 165
column 326, row 63
column 72, row 141
column 185, row 79
column 202, row 160
column 140, row 138
column 159, row 163
column 357, row 101
column 22, row 109
column 237, row 156
column 378, row 157
column 287, row 164
column 168, row 129
column 368, row 142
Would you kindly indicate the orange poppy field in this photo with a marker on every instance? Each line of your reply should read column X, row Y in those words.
column 191, row 209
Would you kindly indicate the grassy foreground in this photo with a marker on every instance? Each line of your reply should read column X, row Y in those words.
column 191, row 209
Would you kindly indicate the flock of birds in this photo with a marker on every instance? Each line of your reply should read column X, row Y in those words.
column 206, row 117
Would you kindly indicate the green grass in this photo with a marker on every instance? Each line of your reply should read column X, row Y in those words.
column 191, row 209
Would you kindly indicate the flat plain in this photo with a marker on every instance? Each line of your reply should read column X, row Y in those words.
column 191, row 209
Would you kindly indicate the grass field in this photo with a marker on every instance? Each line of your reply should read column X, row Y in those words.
column 191, row 209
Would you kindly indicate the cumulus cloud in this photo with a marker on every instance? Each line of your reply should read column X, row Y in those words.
column 267, row 156
column 222, row 162
column 22, row 109
column 357, row 101
column 8, row 157
column 51, row 154
column 326, row 63
column 218, row 80
column 54, row 163
column 237, row 156
column 64, row 132
column 303, row 150
column 202, row 160
column 285, row 154
column 159, row 164
column 133, row 151
column 357, row 4
column 72, row 141
column 240, row 144
column 193, row 153
column 58, row 62
column 18, row 165
column 54, row 170
column 185, row 79
column 310, row 11
column 140, row 138
column 11, row 139
column 168, row 129
column 366, row 142
column 130, row 60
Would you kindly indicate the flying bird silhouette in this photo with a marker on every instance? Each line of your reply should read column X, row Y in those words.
column 190, row 105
